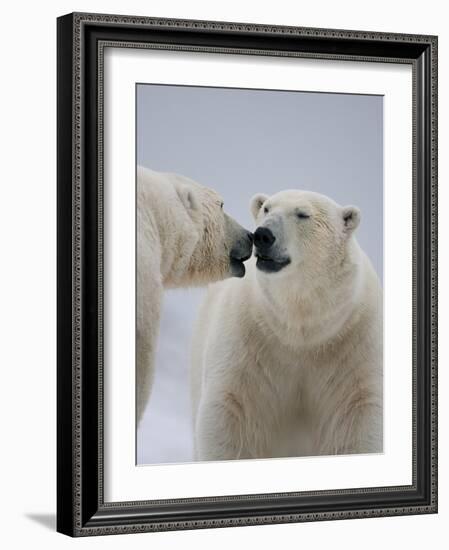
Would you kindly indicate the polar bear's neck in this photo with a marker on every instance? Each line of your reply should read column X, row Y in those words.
column 313, row 315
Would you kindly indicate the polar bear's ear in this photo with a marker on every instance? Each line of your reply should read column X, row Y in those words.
column 351, row 218
column 256, row 203
column 188, row 197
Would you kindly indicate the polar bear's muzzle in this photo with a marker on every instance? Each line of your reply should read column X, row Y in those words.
column 267, row 252
column 240, row 252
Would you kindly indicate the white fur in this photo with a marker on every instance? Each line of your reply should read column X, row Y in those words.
column 184, row 238
column 290, row 363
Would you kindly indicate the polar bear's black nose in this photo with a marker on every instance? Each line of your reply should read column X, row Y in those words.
column 263, row 238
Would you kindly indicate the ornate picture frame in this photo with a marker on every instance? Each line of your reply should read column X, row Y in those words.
column 81, row 507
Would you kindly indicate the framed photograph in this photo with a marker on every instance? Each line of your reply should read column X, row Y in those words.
column 247, row 274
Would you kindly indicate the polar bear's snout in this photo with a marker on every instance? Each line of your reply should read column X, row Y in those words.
column 243, row 247
column 270, row 257
column 240, row 252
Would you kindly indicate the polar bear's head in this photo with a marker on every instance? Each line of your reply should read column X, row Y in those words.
column 213, row 246
column 302, row 233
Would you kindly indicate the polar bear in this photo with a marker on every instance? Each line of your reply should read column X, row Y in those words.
column 288, row 360
column 184, row 238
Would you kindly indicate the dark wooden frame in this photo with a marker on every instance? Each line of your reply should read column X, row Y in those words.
column 81, row 509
